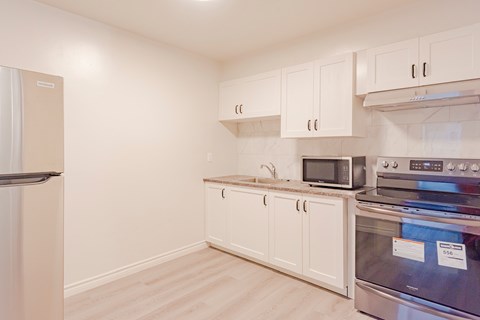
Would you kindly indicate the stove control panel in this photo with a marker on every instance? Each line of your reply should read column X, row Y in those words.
column 441, row 167
column 426, row 165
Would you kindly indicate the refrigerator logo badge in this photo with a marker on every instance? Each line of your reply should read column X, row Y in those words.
column 44, row 84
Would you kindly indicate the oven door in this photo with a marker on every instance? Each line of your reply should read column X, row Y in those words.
column 433, row 258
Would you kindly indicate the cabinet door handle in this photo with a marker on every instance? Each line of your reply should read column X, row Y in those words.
column 265, row 200
column 315, row 125
column 240, row 108
column 223, row 193
column 305, row 206
column 309, row 125
column 236, row 109
column 413, row 71
column 298, row 205
column 424, row 69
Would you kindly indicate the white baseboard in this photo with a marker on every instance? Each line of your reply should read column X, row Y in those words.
column 96, row 281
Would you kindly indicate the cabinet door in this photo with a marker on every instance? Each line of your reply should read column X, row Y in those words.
column 248, row 222
column 297, row 101
column 231, row 94
column 324, row 240
column 393, row 66
column 285, row 229
column 450, row 56
column 262, row 96
column 216, row 214
column 333, row 96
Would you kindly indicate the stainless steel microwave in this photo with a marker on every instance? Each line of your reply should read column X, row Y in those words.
column 336, row 172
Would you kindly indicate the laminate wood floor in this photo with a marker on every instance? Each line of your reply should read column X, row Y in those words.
column 209, row 284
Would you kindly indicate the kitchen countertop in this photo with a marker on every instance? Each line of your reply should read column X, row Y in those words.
column 295, row 186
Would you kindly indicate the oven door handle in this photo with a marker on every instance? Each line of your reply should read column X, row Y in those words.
column 397, row 216
column 410, row 304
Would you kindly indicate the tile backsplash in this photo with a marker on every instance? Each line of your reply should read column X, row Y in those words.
column 432, row 132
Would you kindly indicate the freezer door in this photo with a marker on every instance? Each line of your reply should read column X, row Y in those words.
column 31, row 122
column 31, row 251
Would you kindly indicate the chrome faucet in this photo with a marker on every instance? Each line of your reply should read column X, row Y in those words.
column 273, row 170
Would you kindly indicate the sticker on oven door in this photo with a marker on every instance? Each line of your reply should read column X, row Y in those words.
column 451, row 255
column 408, row 249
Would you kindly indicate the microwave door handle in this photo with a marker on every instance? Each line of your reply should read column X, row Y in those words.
column 397, row 216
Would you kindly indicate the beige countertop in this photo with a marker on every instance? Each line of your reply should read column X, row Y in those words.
column 295, row 186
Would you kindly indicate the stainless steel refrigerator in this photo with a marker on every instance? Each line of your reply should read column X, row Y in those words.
column 31, row 195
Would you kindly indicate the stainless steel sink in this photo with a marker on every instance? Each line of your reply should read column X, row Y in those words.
column 262, row 180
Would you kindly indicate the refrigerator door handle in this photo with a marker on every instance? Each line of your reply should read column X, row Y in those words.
column 27, row 180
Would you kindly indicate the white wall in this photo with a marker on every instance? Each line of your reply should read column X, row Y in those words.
column 447, row 132
column 414, row 19
column 140, row 118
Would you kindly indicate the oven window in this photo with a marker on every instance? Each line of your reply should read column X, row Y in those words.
column 320, row 170
column 453, row 286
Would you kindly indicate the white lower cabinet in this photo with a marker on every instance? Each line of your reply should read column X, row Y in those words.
column 306, row 235
column 248, row 222
column 285, row 229
column 216, row 206
column 325, row 240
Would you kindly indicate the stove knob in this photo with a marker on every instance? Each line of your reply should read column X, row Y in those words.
column 385, row 164
column 462, row 167
column 394, row 164
column 474, row 167
column 450, row 167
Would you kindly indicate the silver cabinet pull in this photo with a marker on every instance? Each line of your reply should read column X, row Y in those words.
column 305, row 206
column 424, row 69
column 236, row 109
column 309, row 125
column 413, row 71
column 315, row 124
column 265, row 200
column 298, row 205
column 223, row 193
column 240, row 108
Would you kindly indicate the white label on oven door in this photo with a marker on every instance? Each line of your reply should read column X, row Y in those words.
column 408, row 249
column 451, row 255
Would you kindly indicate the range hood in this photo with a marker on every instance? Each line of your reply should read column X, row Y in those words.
column 447, row 94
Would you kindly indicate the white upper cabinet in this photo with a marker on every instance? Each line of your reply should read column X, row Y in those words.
column 230, row 96
column 318, row 99
column 250, row 98
column 393, row 66
column 297, row 100
column 450, row 56
column 438, row 58
column 337, row 112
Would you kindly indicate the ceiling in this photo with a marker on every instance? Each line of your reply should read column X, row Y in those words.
column 224, row 29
